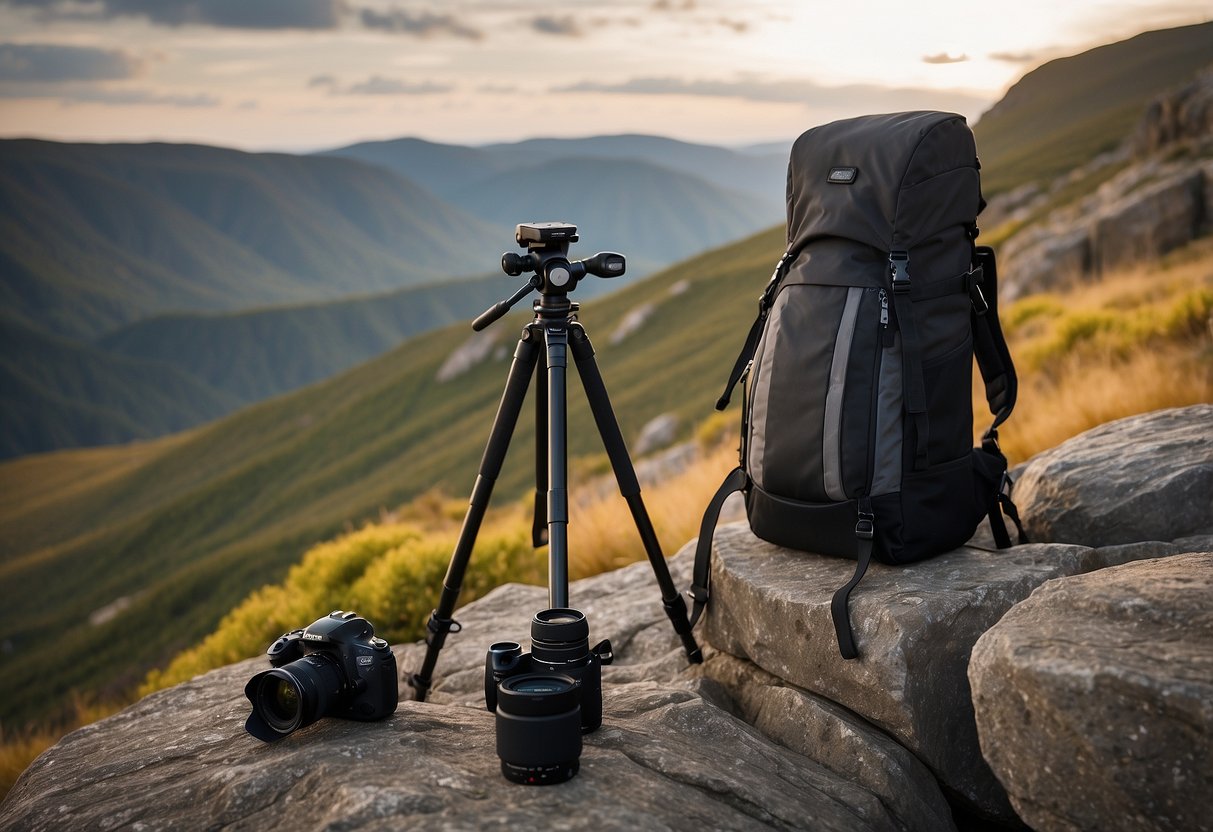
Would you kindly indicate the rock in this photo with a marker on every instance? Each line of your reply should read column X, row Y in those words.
column 658, row 432
column 915, row 626
column 1147, row 477
column 1183, row 116
column 1045, row 257
column 476, row 349
column 1149, row 222
column 835, row 737
column 670, row 753
column 1094, row 699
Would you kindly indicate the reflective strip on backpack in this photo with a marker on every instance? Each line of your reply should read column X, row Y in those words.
column 832, row 433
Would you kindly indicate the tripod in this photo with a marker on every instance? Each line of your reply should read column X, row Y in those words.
column 556, row 328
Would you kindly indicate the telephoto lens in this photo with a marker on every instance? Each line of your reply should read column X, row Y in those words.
column 539, row 728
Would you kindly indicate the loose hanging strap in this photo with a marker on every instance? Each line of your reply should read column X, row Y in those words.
column 865, row 529
column 701, row 580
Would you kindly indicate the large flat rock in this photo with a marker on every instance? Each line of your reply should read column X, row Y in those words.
column 915, row 627
column 1147, row 477
column 674, row 751
column 1094, row 699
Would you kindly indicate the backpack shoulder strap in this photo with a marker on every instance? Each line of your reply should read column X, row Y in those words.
column 751, row 340
column 702, row 577
column 989, row 344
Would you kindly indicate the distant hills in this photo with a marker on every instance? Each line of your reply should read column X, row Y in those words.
column 451, row 170
column 97, row 236
column 1060, row 115
column 120, row 262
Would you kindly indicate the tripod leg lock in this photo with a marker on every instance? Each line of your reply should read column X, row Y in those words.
column 676, row 610
column 437, row 629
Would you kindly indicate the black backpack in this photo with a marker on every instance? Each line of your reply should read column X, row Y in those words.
column 857, row 430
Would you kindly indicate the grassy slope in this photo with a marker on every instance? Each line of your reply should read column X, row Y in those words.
column 203, row 517
column 1062, row 114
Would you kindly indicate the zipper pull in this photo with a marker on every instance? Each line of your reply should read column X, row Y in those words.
column 886, row 334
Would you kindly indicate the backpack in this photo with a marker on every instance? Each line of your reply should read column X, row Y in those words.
column 857, row 420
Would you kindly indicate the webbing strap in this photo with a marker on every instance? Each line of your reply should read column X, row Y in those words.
column 701, row 579
column 751, row 340
column 864, row 532
column 911, row 354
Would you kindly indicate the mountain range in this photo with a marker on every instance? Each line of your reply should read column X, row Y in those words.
column 207, row 271
column 116, row 557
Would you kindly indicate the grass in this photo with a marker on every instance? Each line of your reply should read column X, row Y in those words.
column 1134, row 342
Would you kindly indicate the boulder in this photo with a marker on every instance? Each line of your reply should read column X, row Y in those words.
column 670, row 753
column 1147, row 477
column 915, row 626
column 1094, row 699
column 835, row 737
column 1147, row 223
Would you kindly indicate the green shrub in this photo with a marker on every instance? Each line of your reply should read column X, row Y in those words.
column 391, row 574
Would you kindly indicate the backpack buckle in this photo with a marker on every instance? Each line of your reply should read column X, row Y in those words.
column 865, row 529
column 698, row 594
column 975, row 278
column 899, row 271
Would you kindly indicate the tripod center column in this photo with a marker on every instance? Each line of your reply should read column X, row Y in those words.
column 557, row 338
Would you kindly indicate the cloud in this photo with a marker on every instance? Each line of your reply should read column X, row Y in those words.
column 673, row 5
column 1012, row 57
column 563, row 26
column 858, row 97
column 37, row 62
column 738, row 26
column 423, row 24
column 379, row 85
column 123, row 98
column 944, row 58
column 233, row 14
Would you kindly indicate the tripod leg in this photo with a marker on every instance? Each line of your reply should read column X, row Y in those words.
column 539, row 522
column 629, row 486
column 525, row 358
column 557, row 339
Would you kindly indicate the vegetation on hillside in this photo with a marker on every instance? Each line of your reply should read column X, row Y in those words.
column 1064, row 113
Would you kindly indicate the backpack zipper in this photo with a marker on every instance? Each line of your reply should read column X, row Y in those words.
column 874, row 408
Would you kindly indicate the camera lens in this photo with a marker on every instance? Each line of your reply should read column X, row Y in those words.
column 560, row 636
column 293, row 696
column 539, row 728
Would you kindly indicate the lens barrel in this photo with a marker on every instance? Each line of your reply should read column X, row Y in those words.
column 539, row 728
column 293, row 696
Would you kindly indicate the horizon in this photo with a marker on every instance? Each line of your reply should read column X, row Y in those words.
column 305, row 75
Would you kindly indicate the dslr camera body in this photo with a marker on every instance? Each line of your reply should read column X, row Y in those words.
column 334, row 667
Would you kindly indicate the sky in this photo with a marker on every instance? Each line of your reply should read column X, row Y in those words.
column 301, row 75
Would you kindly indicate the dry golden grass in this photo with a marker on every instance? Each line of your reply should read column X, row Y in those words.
column 1133, row 342
column 602, row 533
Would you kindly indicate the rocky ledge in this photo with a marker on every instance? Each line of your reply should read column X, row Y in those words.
column 1089, row 663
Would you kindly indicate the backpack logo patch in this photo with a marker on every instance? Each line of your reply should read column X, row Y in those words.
column 842, row 176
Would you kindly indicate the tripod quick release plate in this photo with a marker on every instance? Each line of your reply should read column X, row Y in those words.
column 538, row 234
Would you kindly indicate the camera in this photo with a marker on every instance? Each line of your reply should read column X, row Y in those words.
column 334, row 667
